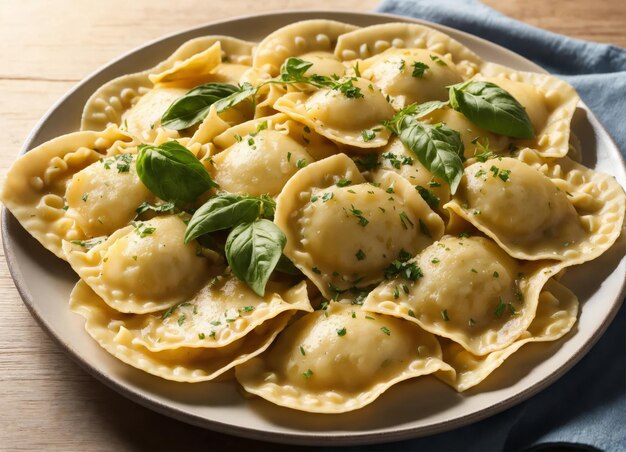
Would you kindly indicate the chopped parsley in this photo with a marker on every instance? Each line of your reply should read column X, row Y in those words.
column 500, row 308
column 418, row 69
column 343, row 182
column 302, row 352
column 166, row 207
column 142, row 229
column 359, row 214
column 368, row 135
column 327, row 196
column 360, row 255
column 316, row 270
column 181, row 319
column 301, row 163
column 308, row 374
column 402, row 267
column 201, row 336
column 341, row 331
column 248, row 308
column 385, row 330
column 404, row 219
column 444, row 315
column 87, row 244
column 438, row 60
column 396, row 160
column 121, row 161
column 431, row 199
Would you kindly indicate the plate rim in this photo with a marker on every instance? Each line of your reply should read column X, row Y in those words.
column 315, row 437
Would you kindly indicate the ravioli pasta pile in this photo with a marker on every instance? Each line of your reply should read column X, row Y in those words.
column 328, row 212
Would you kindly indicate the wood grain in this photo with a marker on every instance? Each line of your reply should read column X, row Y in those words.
column 46, row 401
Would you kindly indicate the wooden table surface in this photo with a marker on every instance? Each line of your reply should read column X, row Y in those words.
column 46, row 401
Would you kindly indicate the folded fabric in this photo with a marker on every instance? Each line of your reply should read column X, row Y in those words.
column 586, row 409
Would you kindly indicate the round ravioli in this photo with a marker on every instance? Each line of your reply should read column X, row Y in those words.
column 185, row 364
column 339, row 359
column 352, row 117
column 556, row 314
column 259, row 156
column 295, row 40
column 411, row 75
column 342, row 231
column 469, row 291
column 520, row 208
column 143, row 120
column 108, row 104
column 599, row 201
column 104, row 196
column 376, row 39
column 142, row 268
column 35, row 185
column 396, row 157
column 549, row 102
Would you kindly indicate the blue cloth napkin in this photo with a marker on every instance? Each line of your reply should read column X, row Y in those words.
column 586, row 408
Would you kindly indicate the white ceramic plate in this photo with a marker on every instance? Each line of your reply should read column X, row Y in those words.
column 415, row 408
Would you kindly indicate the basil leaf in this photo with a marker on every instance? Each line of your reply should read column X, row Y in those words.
column 253, row 250
column 172, row 172
column 438, row 148
column 293, row 69
column 222, row 212
column 245, row 91
column 193, row 107
column 492, row 108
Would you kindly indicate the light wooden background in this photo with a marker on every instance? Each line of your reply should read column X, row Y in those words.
column 46, row 401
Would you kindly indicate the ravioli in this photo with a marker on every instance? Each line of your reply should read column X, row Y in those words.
column 411, row 75
column 339, row 359
column 142, row 268
column 260, row 156
column 191, row 71
column 494, row 195
column 549, row 102
column 143, row 119
column 108, row 103
column 598, row 198
column 363, row 219
column 35, row 185
column 350, row 119
column 342, row 232
column 297, row 39
column 376, row 39
column 104, row 196
column 183, row 364
column 470, row 291
column 556, row 314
